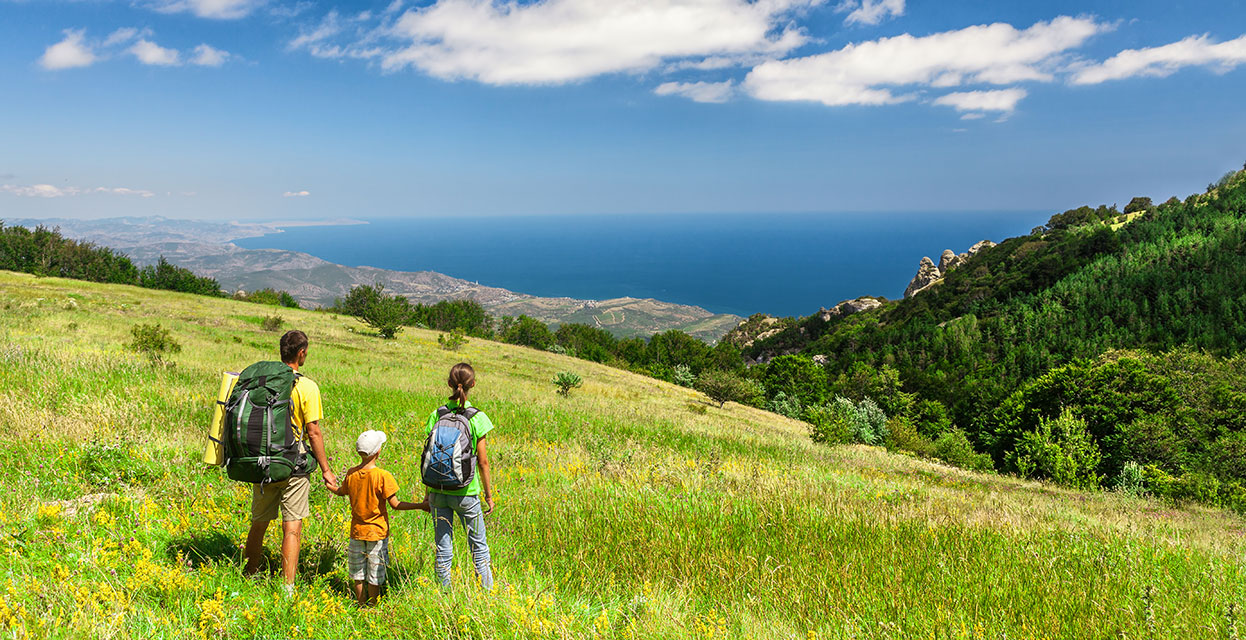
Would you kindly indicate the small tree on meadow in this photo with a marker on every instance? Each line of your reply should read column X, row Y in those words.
column 566, row 381
column 385, row 313
column 723, row 387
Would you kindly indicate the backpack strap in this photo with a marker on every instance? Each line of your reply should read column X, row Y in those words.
column 443, row 411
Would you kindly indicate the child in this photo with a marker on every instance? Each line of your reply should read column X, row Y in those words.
column 370, row 488
column 465, row 501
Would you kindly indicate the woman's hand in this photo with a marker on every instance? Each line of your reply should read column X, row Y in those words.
column 488, row 504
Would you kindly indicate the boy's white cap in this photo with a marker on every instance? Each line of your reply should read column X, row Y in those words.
column 370, row 442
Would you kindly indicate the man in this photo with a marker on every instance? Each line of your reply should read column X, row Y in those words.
column 290, row 495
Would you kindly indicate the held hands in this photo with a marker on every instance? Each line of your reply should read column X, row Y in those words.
column 330, row 480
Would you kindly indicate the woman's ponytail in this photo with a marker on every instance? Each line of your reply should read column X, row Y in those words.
column 462, row 379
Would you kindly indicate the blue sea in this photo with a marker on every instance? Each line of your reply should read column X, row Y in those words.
column 780, row 264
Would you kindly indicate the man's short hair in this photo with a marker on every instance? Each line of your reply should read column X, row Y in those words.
column 292, row 343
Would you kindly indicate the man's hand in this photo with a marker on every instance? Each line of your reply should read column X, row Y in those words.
column 330, row 479
column 488, row 505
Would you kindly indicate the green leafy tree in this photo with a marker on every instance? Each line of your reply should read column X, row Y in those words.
column 565, row 381
column 798, row 377
column 528, row 332
column 1062, row 450
column 723, row 387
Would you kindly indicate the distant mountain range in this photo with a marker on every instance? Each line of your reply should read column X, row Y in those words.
column 206, row 248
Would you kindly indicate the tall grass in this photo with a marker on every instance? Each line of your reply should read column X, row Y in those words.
column 629, row 509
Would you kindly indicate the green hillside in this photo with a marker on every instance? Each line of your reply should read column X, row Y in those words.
column 1132, row 323
column 631, row 509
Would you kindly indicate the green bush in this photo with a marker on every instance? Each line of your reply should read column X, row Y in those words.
column 903, row 435
column 954, row 448
column 557, row 348
column 681, row 374
column 1061, row 450
column 272, row 323
column 386, row 314
column 565, row 381
column 832, row 423
column 153, row 341
column 453, row 340
column 723, row 387
column 1131, row 479
column 786, row 405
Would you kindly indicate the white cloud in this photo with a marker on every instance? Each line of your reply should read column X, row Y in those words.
column 209, row 56
column 870, row 11
column 698, row 91
column 120, row 36
column 51, row 191
column 1194, row 51
column 71, row 52
column 1001, row 100
column 151, row 53
column 217, row 9
column 870, row 72
column 559, row 41
column 296, row 194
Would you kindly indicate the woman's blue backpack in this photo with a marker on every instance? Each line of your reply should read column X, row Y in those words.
column 449, row 461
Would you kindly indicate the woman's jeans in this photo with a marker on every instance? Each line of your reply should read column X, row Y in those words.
column 468, row 507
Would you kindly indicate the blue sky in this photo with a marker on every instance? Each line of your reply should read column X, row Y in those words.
column 276, row 109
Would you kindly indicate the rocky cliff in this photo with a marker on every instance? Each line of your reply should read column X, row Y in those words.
column 929, row 274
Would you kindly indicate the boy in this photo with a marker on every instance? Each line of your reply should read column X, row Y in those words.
column 370, row 488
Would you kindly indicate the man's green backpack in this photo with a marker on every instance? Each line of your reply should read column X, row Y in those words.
column 261, row 443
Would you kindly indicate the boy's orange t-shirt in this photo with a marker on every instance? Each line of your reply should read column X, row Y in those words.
column 369, row 491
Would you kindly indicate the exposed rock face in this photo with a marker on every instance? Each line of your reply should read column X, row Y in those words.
column 928, row 274
column 983, row 244
column 849, row 307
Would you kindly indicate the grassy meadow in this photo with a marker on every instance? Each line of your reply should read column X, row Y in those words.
column 631, row 509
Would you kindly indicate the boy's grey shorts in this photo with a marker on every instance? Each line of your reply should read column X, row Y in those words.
column 367, row 560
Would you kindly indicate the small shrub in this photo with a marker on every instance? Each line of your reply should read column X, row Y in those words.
column 832, row 423
column 786, row 405
column 566, row 381
column 1061, row 450
column 1131, row 479
column 682, row 375
column 557, row 348
column 453, row 340
column 153, row 341
column 272, row 323
column 698, row 408
column 723, row 387
column 903, row 435
column 954, row 448
column 873, row 422
column 105, row 464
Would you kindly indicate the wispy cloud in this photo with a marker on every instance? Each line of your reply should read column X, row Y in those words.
column 150, row 53
column 973, row 104
column 216, row 9
column 559, row 41
column 890, row 70
column 296, row 194
column 51, row 191
column 698, row 91
column 209, row 56
column 69, row 53
column 76, row 50
column 870, row 12
column 1194, row 51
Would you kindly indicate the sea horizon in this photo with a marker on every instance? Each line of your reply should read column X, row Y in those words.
column 781, row 264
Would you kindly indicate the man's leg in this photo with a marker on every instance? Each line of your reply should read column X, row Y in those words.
column 254, row 551
column 291, row 536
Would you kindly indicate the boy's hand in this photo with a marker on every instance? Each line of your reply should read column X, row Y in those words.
column 424, row 506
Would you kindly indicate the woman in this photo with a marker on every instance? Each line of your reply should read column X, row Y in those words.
column 450, row 491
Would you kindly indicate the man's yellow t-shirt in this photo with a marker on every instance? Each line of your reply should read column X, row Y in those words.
column 305, row 408
column 305, row 404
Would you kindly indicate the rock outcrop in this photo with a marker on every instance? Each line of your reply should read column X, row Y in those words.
column 928, row 274
column 849, row 307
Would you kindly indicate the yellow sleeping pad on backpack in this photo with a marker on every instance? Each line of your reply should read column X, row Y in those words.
column 214, row 452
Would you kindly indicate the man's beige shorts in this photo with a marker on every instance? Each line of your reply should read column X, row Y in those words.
column 291, row 495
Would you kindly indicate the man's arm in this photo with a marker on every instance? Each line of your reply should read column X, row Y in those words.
column 317, row 445
column 483, row 453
